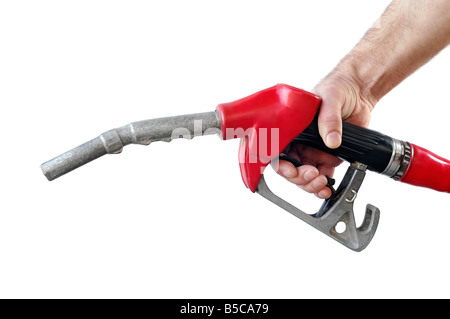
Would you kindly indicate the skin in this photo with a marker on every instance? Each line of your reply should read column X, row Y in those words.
column 407, row 35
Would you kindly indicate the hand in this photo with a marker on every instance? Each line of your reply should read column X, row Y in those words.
column 342, row 98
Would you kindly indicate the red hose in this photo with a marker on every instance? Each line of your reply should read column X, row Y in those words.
column 427, row 170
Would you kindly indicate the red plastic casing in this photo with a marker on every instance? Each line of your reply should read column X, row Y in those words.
column 427, row 170
column 266, row 122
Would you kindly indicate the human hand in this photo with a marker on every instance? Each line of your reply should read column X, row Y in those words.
column 342, row 99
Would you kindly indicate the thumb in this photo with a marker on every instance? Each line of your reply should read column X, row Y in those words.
column 330, row 121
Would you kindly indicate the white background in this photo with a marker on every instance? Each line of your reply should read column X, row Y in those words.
column 174, row 220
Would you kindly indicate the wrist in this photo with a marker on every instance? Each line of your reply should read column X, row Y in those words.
column 347, row 76
column 363, row 75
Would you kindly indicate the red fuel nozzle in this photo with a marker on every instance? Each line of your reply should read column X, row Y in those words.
column 280, row 110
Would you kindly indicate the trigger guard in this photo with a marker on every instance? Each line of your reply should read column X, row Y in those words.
column 337, row 209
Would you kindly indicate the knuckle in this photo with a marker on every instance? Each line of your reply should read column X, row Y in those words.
column 319, row 183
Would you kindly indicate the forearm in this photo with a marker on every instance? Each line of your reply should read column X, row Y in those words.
column 409, row 33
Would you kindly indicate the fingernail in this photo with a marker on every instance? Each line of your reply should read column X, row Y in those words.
column 323, row 194
column 333, row 139
column 319, row 183
column 310, row 175
column 289, row 173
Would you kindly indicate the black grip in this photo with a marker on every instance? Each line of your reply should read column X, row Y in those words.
column 359, row 144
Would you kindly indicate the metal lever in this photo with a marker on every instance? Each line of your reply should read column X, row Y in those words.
column 337, row 209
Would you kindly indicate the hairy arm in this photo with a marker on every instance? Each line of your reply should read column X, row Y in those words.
column 407, row 35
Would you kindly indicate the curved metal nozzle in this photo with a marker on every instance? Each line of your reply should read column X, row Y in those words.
column 142, row 132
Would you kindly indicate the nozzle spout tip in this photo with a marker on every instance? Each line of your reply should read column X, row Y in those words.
column 73, row 159
column 46, row 172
